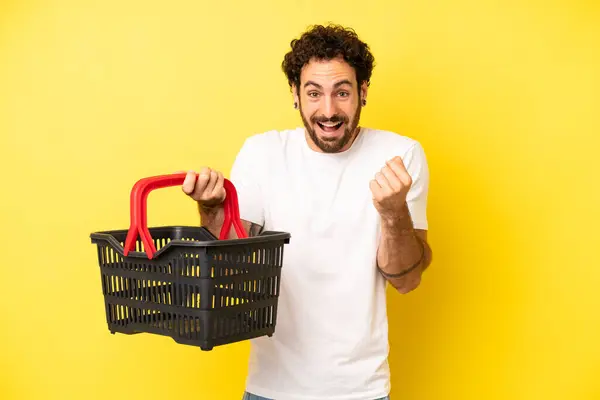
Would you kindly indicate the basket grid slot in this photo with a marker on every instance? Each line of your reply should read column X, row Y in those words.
column 244, row 322
column 145, row 290
column 110, row 258
column 181, row 325
column 184, row 326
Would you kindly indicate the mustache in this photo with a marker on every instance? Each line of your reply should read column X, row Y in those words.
column 333, row 119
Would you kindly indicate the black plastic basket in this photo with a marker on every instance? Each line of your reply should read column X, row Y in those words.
column 185, row 283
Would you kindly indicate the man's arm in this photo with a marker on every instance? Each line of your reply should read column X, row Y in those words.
column 403, row 253
column 399, row 193
column 212, row 218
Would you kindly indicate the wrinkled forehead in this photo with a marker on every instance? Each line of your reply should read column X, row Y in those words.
column 328, row 74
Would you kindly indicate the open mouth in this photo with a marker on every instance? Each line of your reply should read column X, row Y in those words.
column 329, row 127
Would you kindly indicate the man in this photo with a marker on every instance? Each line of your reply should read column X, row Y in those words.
column 354, row 201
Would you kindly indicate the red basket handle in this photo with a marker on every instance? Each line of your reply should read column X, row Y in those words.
column 139, row 215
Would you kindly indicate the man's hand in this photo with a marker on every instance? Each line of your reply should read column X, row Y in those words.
column 390, row 188
column 207, row 188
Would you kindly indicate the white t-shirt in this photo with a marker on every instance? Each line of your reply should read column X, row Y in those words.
column 331, row 337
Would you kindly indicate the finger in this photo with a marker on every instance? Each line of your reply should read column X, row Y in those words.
column 397, row 165
column 394, row 181
column 189, row 183
column 383, row 183
column 203, row 179
column 210, row 187
column 375, row 189
column 219, row 190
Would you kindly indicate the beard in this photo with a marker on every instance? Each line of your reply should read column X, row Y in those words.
column 335, row 144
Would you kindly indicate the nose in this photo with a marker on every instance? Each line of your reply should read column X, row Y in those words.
column 328, row 107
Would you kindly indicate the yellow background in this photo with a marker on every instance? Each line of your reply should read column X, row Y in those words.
column 505, row 98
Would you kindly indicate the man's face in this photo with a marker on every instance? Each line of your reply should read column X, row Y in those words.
column 329, row 100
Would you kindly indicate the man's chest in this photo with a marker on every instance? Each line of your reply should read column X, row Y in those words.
column 320, row 202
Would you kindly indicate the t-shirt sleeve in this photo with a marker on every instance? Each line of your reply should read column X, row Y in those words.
column 415, row 162
column 245, row 175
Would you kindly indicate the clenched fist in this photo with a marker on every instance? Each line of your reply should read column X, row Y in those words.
column 390, row 188
column 206, row 187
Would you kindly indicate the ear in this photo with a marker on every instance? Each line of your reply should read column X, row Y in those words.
column 364, row 88
column 295, row 94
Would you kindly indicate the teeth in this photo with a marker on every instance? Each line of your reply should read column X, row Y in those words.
column 329, row 124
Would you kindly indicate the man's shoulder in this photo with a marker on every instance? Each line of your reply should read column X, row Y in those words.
column 275, row 138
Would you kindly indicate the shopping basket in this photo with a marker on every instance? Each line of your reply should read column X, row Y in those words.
column 183, row 281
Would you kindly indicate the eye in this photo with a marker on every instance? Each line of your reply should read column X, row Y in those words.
column 313, row 94
column 343, row 94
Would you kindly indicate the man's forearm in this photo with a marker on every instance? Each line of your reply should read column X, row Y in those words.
column 403, row 254
column 212, row 218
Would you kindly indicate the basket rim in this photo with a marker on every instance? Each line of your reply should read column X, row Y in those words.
column 263, row 237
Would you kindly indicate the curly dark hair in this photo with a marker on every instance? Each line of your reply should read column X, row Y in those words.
column 326, row 43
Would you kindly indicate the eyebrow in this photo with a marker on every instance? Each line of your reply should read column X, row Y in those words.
column 340, row 83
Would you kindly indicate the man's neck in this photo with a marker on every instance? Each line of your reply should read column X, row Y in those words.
column 347, row 147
